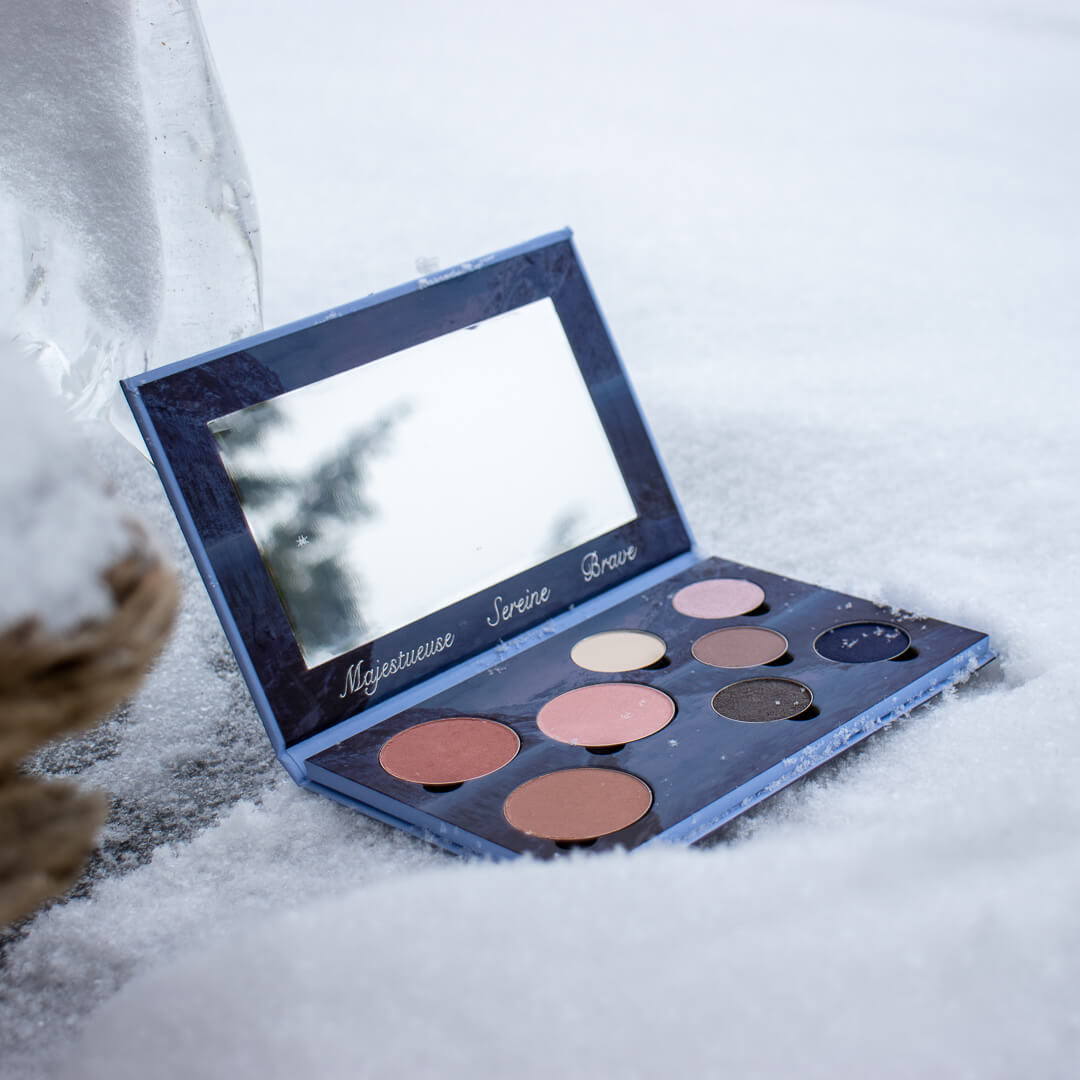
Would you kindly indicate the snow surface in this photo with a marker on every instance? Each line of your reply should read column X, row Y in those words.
column 837, row 245
column 60, row 530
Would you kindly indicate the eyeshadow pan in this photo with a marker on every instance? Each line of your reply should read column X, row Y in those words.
column 449, row 751
column 718, row 598
column 606, row 714
column 758, row 701
column 618, row 650
column 739, row 647
column 577, row 804
column 862, row 643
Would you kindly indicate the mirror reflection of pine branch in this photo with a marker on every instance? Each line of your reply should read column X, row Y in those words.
column 247, row 432
column 249, row 428
column 307, row 518
column 566, row 526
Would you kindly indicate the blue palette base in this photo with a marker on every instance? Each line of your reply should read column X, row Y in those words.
column 702, row 768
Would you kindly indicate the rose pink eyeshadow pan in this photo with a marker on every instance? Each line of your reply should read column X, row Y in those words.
column 606, row 714
column 718, row 598
column 449, row 751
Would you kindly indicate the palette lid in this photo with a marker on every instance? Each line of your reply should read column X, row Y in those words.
column 382, row 491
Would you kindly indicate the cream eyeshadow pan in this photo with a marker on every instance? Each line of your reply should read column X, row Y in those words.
column 618, row 650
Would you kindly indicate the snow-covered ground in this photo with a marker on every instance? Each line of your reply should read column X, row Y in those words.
column 838, row 244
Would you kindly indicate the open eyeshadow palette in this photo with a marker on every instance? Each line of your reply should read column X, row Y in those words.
column 461, row 590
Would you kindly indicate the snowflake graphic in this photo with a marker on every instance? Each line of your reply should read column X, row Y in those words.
column 302, row 541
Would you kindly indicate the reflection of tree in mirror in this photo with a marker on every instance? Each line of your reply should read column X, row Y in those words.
column 248, row 431
column 306, row 519
column 564, row 529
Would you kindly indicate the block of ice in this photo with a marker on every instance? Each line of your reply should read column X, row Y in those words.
column 128, row 231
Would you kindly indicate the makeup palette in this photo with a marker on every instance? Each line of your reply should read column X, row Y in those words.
column 461, row 590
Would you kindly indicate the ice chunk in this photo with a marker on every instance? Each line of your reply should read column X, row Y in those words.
column 128, row 232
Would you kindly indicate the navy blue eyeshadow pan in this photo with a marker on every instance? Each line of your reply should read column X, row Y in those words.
column 862, row 643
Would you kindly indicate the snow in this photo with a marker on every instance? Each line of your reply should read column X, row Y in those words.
column 836, row 246
column 60, row 531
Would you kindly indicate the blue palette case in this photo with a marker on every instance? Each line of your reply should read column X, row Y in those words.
column 461, row 590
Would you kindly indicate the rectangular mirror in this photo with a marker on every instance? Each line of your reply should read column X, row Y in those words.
column 402, row 486
column 382, row 492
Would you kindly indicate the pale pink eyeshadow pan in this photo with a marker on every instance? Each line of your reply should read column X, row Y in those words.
column 718, row 598
column 606, row 714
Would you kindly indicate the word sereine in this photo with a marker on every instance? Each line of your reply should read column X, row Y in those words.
column 593, row 566
column 504, row 611
column 368, row 681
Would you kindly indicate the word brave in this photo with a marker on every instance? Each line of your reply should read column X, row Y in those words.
column 593, row 566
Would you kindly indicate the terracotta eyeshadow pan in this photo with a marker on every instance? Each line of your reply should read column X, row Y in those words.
column 449, row 751
column 618, row 650
column 606, row 714
column 718, row 598
column 739, row 647
column 577, row 804
column 759, row 701
column 862, row 643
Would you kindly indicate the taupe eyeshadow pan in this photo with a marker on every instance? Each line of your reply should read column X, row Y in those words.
column 739, row 647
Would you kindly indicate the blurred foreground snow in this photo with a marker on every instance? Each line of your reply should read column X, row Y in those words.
column 59, row 530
